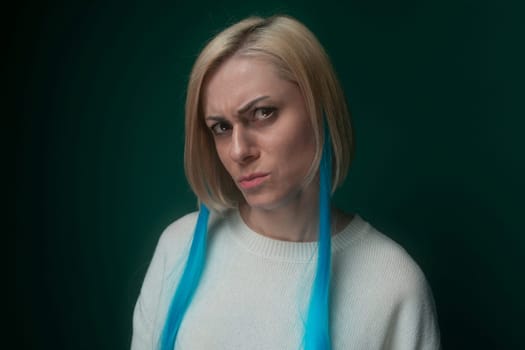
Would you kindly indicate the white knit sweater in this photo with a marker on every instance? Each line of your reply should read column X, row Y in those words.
column 254, row 291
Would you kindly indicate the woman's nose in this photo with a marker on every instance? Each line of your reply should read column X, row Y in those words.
column 242, row 148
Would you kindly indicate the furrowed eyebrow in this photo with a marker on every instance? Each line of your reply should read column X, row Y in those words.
column 240, row 111
column 216, row 118
column 250, row 104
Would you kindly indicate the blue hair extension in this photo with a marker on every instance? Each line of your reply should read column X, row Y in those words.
column 317, row 328
column 188, row 282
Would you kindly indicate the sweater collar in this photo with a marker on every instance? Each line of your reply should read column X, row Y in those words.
column 271, row 248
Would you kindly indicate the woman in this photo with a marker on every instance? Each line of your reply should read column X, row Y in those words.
column 273, row 266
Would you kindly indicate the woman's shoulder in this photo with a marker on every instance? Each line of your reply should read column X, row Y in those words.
column 381, row 288
column 379, row 260
column 180, row 226
column 176, row 237
column 181, row 230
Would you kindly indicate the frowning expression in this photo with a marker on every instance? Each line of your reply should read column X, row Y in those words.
column 262, row 131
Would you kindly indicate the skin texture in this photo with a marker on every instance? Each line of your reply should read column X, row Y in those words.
column 261, row 127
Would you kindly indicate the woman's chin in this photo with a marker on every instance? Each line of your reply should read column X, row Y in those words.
column 261, row 202
column 269, row 202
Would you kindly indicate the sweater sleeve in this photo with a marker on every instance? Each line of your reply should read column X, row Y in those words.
column 395, row 308
column 414, row 325
column 147, row 306
column 158, row 285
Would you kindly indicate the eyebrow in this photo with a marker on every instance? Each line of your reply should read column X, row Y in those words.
column 241, row 110
column 250, row 104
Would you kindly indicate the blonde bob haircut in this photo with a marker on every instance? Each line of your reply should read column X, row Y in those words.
column 297, row 56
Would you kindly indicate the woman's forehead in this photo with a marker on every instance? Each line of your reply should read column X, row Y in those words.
column 239, row 80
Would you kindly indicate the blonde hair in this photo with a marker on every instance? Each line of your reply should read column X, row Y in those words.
column 299, row 57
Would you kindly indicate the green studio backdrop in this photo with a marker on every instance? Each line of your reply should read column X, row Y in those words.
column 436, row 94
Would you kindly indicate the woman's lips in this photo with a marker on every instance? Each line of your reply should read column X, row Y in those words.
column 252, row 181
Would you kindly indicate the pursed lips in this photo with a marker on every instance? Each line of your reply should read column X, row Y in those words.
column 252, row 180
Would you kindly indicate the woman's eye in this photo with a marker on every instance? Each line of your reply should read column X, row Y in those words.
column 263, row 113
column 220, row 128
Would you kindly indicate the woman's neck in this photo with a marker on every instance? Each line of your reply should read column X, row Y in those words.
column 290, row 223
column 295, row 221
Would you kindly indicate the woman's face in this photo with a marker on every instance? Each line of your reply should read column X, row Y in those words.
column 262, row 132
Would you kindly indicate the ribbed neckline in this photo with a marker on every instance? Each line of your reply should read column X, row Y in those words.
column 290, row 251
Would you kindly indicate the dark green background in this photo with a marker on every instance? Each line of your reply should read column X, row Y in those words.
column 436, row 91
